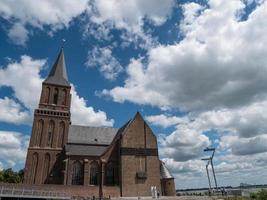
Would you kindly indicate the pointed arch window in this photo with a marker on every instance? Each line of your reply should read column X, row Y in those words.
column 47, row 94
column 55, row 98
column 110, row 174
column 34, row 167
column 39, row 132
column 77, row 173
column 61, row 134
column 94, row 173
column 50, row 134
column 46, row 168
column 64, row 97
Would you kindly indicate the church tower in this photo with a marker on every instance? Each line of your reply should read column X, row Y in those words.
column 44, row 162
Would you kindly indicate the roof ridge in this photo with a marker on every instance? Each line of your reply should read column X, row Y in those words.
column 93, row 126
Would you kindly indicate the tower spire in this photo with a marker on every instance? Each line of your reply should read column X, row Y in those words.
column 58, row 74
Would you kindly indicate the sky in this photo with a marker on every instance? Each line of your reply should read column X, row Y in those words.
column 196, row 71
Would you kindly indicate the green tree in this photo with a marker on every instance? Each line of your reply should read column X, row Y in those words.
column 10, row 176
column 261, row 195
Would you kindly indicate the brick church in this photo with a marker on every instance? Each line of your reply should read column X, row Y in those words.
column 99, row 161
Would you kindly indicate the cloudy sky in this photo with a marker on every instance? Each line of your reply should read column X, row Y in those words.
column 196, row 70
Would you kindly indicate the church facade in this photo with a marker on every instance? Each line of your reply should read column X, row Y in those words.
column 107, row 161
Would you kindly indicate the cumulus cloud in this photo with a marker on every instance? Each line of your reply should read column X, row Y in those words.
column 183, row 144
column 241, row 131
column 81, row 114
column 216, row 73
column 102, row 58
column 12, row 112
column 206, row 69
column 129, row 17
column 13, row 148
column 165, row 120
column 54, row 15
column 18, row 34
column 23, row 103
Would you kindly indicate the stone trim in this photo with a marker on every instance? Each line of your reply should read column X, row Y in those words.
column 138, row 152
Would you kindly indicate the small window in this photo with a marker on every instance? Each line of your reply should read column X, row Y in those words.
column 47, row 94
column 64, row 97
column 55, row 99
column 50, row 133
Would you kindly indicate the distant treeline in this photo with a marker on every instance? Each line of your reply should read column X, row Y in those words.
column 10, row 176
column 225, row 187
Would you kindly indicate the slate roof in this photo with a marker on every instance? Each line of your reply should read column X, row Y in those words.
column 84, row 150
column 164, row 172
column 58, row 74
column 91, row 135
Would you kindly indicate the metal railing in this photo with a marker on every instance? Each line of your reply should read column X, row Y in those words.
column 31, row 193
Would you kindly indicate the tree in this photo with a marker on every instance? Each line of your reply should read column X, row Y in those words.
column 10, row 176
column 261, row 195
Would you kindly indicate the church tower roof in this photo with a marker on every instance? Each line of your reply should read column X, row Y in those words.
column 58, row 74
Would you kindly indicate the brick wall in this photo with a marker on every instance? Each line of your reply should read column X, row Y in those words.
column 168, row 187
column 139, row 136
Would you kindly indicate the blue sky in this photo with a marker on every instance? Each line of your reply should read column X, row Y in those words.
column 194, row 69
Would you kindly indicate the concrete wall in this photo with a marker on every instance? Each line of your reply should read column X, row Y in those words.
column 73, row 190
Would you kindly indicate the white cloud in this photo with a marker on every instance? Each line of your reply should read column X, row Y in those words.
column 206, row 69
column 53, row 14
column 102, row 58
column 11, row 112
column 165, row 121
column 13, row 148
column 183, row 144
column 128, row 16
column 14, row 75
column 244, row 146
column 18, row 34
column 86, row 115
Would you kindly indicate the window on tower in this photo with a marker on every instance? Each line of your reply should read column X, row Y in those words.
column 50, row 133
column 46, row 168
column 55, row 99
column 64, row 97
column 47, row 94
column 39, row 133
column 61, row 134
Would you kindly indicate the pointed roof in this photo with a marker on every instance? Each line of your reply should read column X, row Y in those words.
column 164, row 172
column 58, row 74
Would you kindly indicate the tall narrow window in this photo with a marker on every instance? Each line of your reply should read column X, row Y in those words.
column 50, row 133
column 94, row 173
column 110, row 174
column 64, row 97
column 39, row 132
column 55, row 98
column 34, row 167
column 61, row 134
column 77, row 173
column 47, row 94
column 46, row 168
